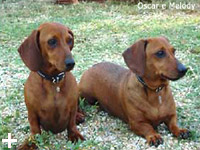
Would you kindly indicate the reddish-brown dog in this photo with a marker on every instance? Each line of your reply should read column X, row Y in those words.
column 141, row 96
column 51, row 91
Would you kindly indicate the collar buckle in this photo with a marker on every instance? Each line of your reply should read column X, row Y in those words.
column 157, row 90
column 53, row 79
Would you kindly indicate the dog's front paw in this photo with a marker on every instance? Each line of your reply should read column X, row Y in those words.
column 154, row 140
column 184, row 134
column 80, row 118
column 27, row 146
column 75, row 136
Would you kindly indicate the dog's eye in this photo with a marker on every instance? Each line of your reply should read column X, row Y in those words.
column 69, row 42
column 52, row 42
column 160, row 54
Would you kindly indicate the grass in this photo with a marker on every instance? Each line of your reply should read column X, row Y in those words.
column 102, row 33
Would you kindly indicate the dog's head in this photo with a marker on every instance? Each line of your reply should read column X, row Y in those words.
column 50, row 44
column 154, row 57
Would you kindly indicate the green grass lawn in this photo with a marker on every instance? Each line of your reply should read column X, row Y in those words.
column 102, row 33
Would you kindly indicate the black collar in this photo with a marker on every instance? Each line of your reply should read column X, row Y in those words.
column 145, row 85
column 53, row 79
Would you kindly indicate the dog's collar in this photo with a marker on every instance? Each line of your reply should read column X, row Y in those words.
column 53, row 79
column 157, row 90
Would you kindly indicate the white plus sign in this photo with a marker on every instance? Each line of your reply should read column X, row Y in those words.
column 9, row 140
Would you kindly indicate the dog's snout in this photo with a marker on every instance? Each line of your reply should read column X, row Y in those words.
column 69, row 62
column 181, row 69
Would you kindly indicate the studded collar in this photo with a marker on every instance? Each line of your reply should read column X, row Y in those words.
column 54, row 79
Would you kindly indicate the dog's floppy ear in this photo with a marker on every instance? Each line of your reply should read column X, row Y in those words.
column 134, row 57
column 30, row 52
column 72, row 42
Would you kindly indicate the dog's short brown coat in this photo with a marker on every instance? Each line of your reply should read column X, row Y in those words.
column 47, row 50
column 120, row 93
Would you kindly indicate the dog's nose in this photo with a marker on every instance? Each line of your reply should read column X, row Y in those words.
column 69, row 62
column 181, row 69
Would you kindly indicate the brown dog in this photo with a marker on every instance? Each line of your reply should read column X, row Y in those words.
column 140, row 96
column 51, row 91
